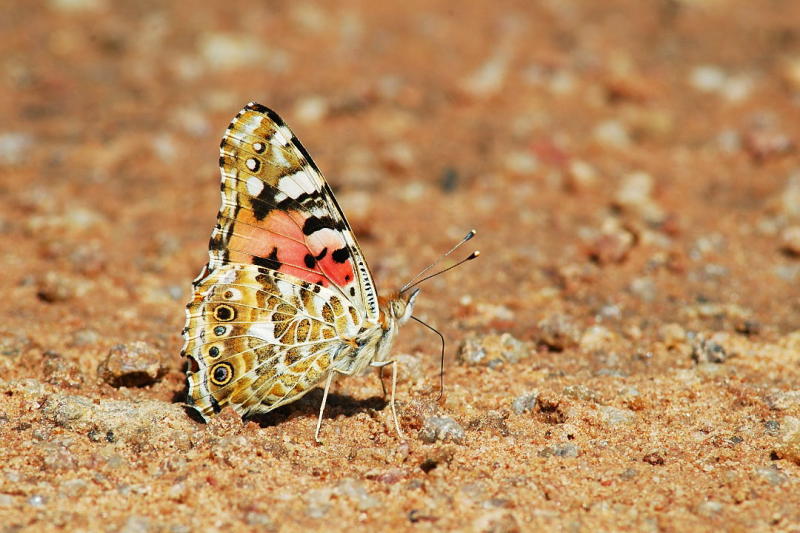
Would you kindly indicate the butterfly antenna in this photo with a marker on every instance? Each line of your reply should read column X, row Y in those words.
column 441, row 359
column 416, row 279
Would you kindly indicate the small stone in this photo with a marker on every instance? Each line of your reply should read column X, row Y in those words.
column 318, row 502
column 614, row 416
column 409, row 368
column 13, row 147
column 65, row 411
column 14, row 344
column 763, row 142
column 311, row 109
column 673, row 335
column 85, row 337
column 489, row 78
column 491, row 350
column 596, row 338
column 136, row 524
column 441, row 428
column 524, row 403
column 356, row 492
column 612, row 244
column 59, row 371
column 772, row 427
column 558, row 332
column 581, row 392
column 612, row 134
column 73, row 488
column 56, row 287
column 560, row 450
column 790, row 197
column 709, row 508
column 771, row 475
column 790, row 239
column 708, row 351
column 229, row 51
column 708, row 78
column 260, row 521
column 783, row 400
column 136, row 364
column 654, row 459
column 581, row 175
column 37, row 500
column 635, row 195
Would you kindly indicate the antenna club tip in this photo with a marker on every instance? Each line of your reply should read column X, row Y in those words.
column 473, row 255
column 470, row 234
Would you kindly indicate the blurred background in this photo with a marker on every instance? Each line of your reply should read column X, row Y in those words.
column 631, row 168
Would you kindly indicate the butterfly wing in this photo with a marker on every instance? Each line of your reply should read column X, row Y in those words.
column 286, row 287
column 278, row 212
column 258, row 338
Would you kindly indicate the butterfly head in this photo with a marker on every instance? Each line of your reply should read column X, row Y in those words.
column 400, row 306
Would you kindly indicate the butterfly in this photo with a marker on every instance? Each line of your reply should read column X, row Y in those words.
column 286, row 300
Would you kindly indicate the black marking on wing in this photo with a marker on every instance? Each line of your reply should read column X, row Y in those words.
column 341, row 255
column 271, row 262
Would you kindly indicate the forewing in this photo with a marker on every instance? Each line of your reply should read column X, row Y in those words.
column 279, row 213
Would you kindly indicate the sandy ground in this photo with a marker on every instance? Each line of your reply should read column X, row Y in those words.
column 625, row 355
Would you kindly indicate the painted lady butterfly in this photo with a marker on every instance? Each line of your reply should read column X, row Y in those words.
column 286, row 299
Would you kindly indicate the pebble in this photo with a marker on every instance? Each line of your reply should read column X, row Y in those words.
column 635, row 194
column 318, row 502
column 136, row 524
column 136, row 364
column 560, row 450
column 13, row 147
column 614, row 416
column 771, row 475
column 85, row 337
column 581, row 392
column 709, row 508
column 229, row 51
column 441, row 428
column 311, row 109
column 55, row 287
column 612, row 244
column 790, row 197
column 409, row 368
column 355, row 492
column 612, row 134
column 489, row 78
column 59, row 371
column 707, row 78
column 581, row 175
column 596, row 338
column 492, row 350
column 672, row 335
column 790, row 238
column 524, row 403
column 14, row 344
column 73, row 488
column 558, row 332
column 783, row 400
column 705, row 350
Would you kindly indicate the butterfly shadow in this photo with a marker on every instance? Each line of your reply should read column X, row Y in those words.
column 337, row 404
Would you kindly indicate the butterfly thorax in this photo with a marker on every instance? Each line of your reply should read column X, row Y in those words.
column 374, row 343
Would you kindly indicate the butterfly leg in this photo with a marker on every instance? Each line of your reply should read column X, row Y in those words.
column 380, row 378
column 380, row 365
column 322, row 406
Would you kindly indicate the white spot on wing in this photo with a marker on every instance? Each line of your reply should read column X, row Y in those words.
column 228, row 277
column 290, row 186
column 262, row 330
column 251, row 163
column 254, row 186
